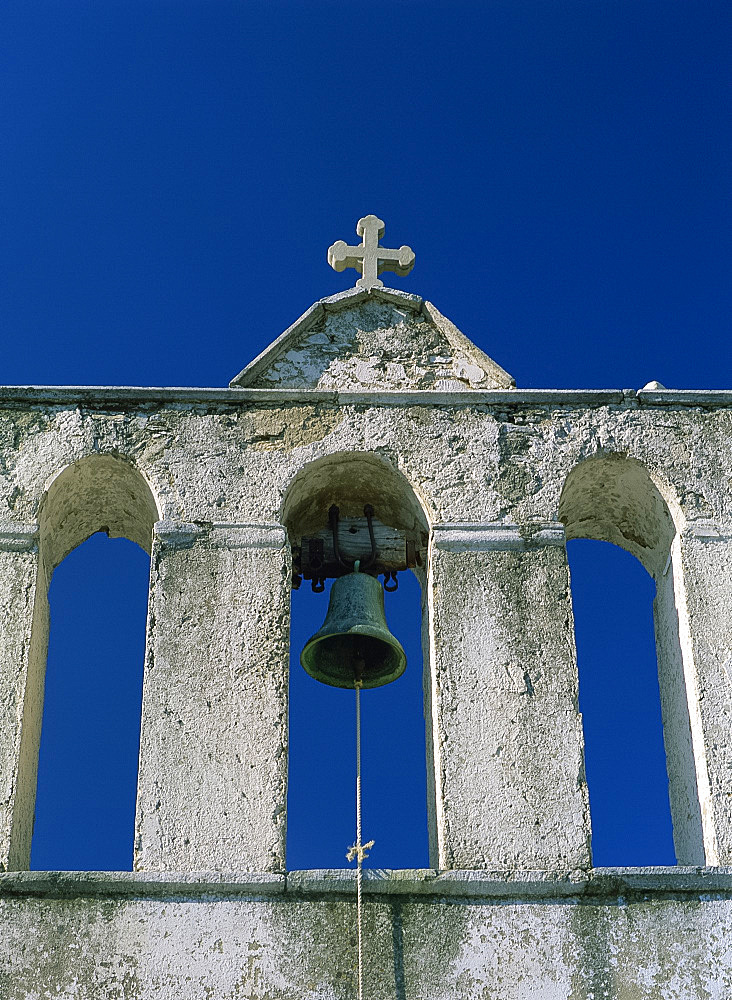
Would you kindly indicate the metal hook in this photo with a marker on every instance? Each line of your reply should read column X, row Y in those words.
column 333, row 515
column 387, row 588
column 318, row 585
column 369, row 513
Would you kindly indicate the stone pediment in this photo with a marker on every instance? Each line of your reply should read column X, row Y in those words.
column 381, row 339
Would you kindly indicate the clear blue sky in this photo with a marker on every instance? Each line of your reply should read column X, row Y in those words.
column 172, row 174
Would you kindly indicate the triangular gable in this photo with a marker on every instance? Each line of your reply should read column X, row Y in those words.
column 381, row 339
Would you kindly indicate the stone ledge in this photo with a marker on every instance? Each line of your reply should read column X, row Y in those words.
column 707, row 530
column 685, row 397
column 104, row 397
column 468, row 537
column 18, row 537
column 219, row 534
column 68, row 884
column 597, row 883
column 518, row 885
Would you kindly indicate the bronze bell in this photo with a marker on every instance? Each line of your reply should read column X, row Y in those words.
column 354, row 642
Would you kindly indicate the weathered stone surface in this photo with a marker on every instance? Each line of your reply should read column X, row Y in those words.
column 492, row 460
column 649, row 934
column 213, row 755
column 380, row 340
column 703, row 576
column 506, row 729
column 217, row 484
column 23, row 643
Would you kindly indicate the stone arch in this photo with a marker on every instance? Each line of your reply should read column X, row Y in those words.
column 96, row 493
column 349, row 480
column 615, row 498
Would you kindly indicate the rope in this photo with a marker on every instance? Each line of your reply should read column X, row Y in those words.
column 359, row 851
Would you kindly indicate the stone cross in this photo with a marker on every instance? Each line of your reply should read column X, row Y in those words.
column 368, row 257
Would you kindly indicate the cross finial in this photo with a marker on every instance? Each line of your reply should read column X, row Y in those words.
column 368, row 257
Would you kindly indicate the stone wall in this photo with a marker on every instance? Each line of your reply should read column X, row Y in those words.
column 216, row 484
column 615, row 934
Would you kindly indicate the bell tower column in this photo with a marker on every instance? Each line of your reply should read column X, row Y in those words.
column 213, row 755
column 507, row 740
column 701, row 566
column 23, row 645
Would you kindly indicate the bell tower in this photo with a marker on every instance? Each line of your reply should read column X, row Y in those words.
column 370, row 438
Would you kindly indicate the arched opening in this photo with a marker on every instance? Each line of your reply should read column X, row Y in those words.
column 321, row 793
column 87, row 767
column 100, row 493
column 619, row 700
column 613, row 498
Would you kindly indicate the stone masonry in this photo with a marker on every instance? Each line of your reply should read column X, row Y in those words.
column 373, row 391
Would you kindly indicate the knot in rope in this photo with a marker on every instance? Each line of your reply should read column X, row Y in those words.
column 359, row 851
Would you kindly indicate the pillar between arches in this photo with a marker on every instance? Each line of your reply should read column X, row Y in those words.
column 213, row 754
column 701, row 565
column 506, row 736
column 23, row 642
